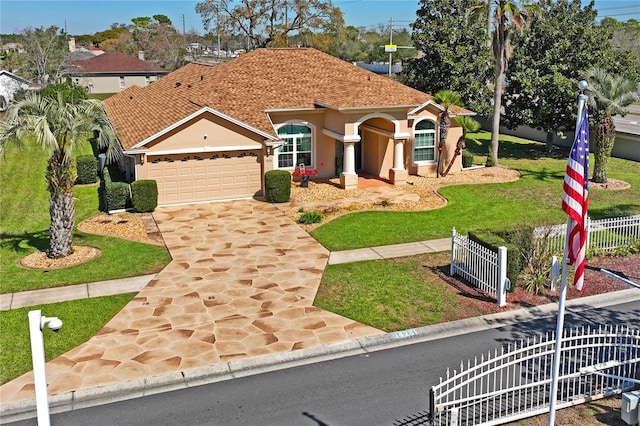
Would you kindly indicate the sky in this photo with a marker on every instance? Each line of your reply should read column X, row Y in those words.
column 88, row 16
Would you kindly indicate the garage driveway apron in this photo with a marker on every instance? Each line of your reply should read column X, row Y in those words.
column 241, row 284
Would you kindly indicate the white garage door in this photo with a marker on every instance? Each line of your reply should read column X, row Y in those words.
column 205, row 177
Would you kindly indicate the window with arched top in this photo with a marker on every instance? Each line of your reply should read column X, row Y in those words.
column 297, row 147
column 424, row 142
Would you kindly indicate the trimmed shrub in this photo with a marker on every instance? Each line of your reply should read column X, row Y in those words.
column 310, row 217
column 467, row 159
column 112, row 195
column 144, row 195
column 117, row 195
column 87, row 169
column 277, row 186
column 492, row 241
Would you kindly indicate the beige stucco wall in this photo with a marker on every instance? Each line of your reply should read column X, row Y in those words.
column 111, row 83
column 206, row 133
column 324, row 149
column 190, row 138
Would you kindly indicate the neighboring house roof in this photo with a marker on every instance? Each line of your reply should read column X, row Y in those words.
column 114, row 62
column 248, row 87
column 11, row 75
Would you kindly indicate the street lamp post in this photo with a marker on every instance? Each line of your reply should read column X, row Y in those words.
column 36, row 323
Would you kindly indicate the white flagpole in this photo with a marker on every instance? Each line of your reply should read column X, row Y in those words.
column 582, row 98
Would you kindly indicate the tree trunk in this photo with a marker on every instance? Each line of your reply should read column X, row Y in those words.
column 445, row 123
column 605, row 138
column 60, row 178
column 497, row 106
column 549, row 142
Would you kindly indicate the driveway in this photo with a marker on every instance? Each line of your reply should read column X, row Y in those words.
column 241, row 284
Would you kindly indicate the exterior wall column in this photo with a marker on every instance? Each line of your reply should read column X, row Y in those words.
column 398, row 174
column 349, row 178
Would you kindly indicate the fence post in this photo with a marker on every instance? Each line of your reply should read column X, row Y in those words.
column 555, row 271
column 588, row 228
column 502, row 276
column 453, row 252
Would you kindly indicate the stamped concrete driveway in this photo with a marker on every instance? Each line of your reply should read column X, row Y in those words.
column 241, row 284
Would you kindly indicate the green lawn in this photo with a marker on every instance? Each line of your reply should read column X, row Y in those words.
column 81, row 318
column 535, row 198
column 24, row 223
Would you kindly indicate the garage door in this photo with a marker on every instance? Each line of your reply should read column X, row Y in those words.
column 205, row 177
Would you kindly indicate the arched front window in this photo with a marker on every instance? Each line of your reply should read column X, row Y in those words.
column 297, row 147
column 424, row 141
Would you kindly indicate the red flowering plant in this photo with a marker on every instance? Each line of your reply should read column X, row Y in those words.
column 305, row 172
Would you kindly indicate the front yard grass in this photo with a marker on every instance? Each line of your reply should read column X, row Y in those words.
column 535, row 199
column 81, row 320
column 391, row 295
column 24, row 224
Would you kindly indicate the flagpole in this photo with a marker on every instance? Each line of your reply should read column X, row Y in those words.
column 582, row 98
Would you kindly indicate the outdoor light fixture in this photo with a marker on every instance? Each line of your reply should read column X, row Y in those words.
column 36, row 324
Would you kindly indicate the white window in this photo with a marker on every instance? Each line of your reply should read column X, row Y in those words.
column 424, row 142
column 122, row 82
column 147, row 80
column 297, row 147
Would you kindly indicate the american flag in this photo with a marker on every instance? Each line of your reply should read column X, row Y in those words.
column 575, row 199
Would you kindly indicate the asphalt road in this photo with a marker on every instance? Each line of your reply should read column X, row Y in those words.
column 388, row 387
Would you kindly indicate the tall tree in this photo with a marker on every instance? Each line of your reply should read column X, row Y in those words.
column 611, row 95
column 46, row 53
column 451, row 53
column 60, row 127
column 161, row 43
column 504, row 16
column 547, row 61
column 446, row 99
column 625, row 37
column 268, row 22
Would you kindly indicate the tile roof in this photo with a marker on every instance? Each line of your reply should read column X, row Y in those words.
column 110, row 62
column 245, row 87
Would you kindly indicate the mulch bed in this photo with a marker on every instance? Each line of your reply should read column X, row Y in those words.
column 595, row 281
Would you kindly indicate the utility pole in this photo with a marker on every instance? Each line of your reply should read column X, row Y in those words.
column 390, row 43
column 286, row 22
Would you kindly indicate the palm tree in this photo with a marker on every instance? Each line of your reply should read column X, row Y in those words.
column 506, row 14
column 59, row 127
column 469, row 125
column 447, row 99
column 610, row 95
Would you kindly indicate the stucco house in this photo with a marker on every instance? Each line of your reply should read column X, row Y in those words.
column 10, row 84
column 209, row 132
column 113, row 72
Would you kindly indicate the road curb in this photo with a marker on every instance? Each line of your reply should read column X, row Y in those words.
column 83, row 398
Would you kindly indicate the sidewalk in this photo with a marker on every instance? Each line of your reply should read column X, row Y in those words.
column 135, row 284
column 73, row 292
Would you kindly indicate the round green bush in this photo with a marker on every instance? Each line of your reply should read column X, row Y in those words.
column 277, row 186
column 144, row 195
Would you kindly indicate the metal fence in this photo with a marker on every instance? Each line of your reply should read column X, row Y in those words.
column 604, row 234
column 480, row 266
column 515, row 381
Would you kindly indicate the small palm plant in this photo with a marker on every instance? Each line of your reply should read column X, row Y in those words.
column 447, row 99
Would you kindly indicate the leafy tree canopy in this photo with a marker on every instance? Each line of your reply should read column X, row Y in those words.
column 269, row 22
column 452, row 54
column 547, row 62
column 71, row 93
